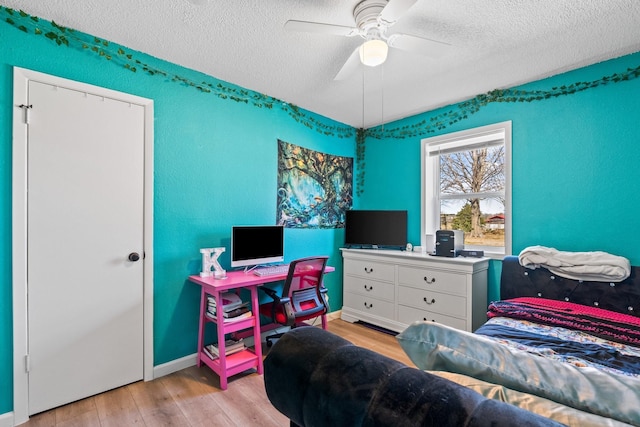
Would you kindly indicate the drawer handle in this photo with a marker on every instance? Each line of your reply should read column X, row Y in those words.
column 368, row 288
column 433, row 301
column 368, row 270
column 368, row 306
column 432, row 280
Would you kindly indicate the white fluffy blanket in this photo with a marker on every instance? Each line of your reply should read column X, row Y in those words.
column 596, row 266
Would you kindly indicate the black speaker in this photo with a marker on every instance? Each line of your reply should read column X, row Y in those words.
column 448, row 242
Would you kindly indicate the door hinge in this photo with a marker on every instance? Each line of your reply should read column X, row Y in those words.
column 27, row 363
column 26, row 115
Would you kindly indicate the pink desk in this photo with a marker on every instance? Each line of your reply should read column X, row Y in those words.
column 226, row 366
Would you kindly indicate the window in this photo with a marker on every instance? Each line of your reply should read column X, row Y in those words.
column 466, row 185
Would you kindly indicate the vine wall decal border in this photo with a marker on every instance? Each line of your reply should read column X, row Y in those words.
column 68, row 37
column 465, row 109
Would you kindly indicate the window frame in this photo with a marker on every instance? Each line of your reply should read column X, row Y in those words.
column 430, row 178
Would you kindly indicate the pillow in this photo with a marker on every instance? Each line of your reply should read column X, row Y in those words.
column 433, row 346
column 566, row 415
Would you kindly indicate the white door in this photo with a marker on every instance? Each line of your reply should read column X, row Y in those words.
column 85, row 178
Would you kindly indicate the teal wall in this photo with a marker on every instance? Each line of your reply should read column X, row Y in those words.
column 575, row 157
column 575, row 173
column 215, row 166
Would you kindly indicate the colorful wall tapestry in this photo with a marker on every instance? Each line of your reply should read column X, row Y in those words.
column 314, row 189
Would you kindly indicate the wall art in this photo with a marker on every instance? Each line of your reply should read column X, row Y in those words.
column 314, row 189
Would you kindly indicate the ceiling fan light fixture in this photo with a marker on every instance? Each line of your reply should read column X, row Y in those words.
column 373, row 52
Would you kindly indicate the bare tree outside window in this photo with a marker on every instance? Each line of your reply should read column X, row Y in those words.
column 472, row 176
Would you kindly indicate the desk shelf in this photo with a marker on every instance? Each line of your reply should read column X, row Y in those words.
column 235, row 363
column 232, row 364
column 234, row 326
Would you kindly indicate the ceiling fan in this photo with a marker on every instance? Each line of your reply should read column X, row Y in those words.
column 373, row 19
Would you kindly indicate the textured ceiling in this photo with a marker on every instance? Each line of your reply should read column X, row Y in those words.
column 495, row 44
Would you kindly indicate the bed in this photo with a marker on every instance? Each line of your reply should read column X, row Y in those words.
column 564, row 348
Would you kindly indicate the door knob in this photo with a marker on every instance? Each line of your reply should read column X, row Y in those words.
column 134, row 256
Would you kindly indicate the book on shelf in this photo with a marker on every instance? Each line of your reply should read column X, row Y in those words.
column 230, row 312
column 213, row 356
column 236, row 311
column 230, row 347
column 244, row 315
column 230, row 301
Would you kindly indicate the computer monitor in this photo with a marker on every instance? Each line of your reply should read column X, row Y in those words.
column 254, row 245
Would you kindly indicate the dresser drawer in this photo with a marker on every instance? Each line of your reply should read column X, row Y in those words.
column 372, row 306
column 450, row 305
column 408, row 315
column 370, row 288
column 434, row 280
column 369, row 269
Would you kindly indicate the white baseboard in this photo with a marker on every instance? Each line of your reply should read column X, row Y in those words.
column 6, row 419
column 174, row 366
column 334, row 315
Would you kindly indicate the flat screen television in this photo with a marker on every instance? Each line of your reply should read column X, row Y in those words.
column 375, row 229
column 254, row 245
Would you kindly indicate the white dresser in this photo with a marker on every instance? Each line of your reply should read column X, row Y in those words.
column 393, row 289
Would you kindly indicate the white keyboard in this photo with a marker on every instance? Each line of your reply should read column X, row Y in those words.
column 272, row 270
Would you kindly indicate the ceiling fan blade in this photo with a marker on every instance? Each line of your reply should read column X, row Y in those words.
column 350, row 66
column 395, row 9
column 420, row 45
column 319, row 27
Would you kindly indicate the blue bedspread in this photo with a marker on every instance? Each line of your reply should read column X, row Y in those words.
column 562, row 344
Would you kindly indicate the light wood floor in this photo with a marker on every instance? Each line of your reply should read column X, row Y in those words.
column 192, row 397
